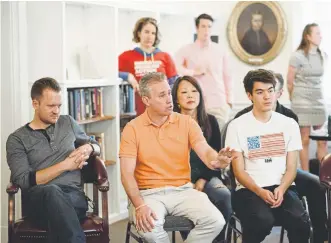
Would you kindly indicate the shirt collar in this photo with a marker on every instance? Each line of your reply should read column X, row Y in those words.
column 47, row 128
column 139, row 50
column 147, row 121
column 200, row 45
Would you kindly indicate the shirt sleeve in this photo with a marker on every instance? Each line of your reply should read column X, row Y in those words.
column 232, row 138
column 123, row 75
column 122, row 62
column 180, row 62
column 82, row 138
column 195, row 133
column 17, row 159
column 294, row 142
column 295, row 60
column 128, row 146
column 171, row 72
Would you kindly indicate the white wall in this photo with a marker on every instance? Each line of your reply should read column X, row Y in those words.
column 4, row 124
column 14, row 88
column 0, row 118
column 177, row 29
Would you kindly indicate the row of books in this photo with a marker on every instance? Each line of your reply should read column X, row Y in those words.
column 100, row 138
column 85, row 103
column 127, row 99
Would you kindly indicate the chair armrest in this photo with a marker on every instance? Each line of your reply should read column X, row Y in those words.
column 95, row 172
column 100, row 171
column 12, row 188
column 325, row 171
column 104, row 187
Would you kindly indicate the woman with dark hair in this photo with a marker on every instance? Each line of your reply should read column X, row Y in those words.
column 304, row 82
column 146, row 58
column 188, row 99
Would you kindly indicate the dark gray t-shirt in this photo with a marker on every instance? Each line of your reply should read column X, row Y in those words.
column 31, row 150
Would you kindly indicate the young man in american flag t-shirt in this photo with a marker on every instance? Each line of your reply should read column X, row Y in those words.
column 266, row 145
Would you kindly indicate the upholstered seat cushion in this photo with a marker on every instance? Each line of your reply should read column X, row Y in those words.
column 177, row 223
column 24, row 227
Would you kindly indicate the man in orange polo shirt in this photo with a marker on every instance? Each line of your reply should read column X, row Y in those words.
column 155, row 167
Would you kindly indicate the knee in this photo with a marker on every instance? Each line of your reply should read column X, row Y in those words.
column 305, row 140
column 322, row 144
column 224, row 196
column 219, row 223
column 52, row 189
column 264, row 222
column 52, row 193
column 215, row 220
column 156, row 235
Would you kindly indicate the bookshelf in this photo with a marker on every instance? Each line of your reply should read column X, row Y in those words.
column 80, row 52
column 96, row 119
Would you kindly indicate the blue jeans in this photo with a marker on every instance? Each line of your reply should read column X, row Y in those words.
column 59, row 209
column 220, row 196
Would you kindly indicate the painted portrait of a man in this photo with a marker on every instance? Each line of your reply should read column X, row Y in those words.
column 256, row 41
column 257, row 31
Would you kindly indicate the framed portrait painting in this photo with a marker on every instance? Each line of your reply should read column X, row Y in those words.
column 257, row 31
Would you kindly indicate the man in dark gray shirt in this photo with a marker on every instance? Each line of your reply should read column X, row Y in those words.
column 45, row 158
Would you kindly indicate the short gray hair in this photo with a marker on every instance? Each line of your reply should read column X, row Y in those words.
column 148, row 79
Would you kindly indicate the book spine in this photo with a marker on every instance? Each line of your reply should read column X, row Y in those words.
column 101, row 101
column 77, row 105
column 82, row 104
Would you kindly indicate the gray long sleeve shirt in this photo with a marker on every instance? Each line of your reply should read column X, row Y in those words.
column 29, row 151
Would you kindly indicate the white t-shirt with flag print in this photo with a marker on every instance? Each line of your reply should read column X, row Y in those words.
column 264, row 145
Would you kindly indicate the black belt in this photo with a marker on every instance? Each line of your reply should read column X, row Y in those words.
column 143, row 189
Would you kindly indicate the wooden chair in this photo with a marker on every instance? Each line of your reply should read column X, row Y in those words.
column 96, row 228
column 325, row 179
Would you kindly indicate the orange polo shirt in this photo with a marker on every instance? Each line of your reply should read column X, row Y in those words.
column 162, row 152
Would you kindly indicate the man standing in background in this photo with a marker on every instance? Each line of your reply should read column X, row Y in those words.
column 205, row 61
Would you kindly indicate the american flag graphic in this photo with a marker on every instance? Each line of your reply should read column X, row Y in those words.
column 266, row 146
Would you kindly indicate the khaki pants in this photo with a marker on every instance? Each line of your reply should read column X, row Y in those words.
column 181, row 201
column 221, row 113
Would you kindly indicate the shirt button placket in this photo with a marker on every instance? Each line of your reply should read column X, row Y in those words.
column 161, row 133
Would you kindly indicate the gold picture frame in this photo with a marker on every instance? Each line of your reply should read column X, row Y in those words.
column 257, row 31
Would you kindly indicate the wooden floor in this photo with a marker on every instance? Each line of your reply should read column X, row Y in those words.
column 117, row 234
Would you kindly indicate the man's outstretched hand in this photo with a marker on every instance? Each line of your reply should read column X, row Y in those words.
column 224, row 158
